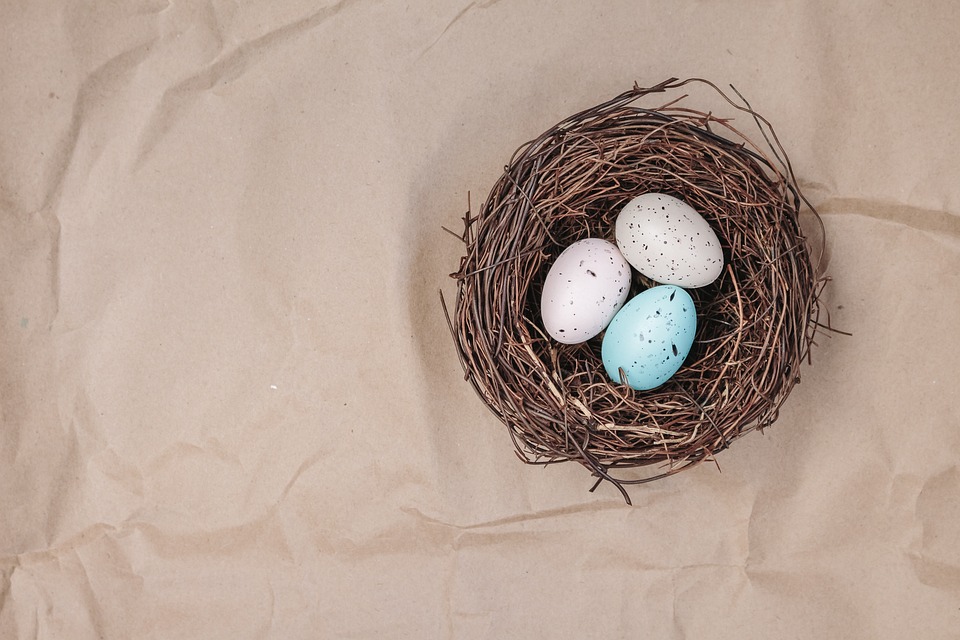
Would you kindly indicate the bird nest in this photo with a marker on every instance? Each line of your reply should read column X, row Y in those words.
column 755, row 323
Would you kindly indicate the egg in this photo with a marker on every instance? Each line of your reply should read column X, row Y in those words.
column 650, row 337
column 584, row 289
column 666, row 240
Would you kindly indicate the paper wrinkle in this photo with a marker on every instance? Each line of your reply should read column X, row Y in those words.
column 62, row 158
column 459, row 538
column 918, row 218
column 177, row 451
column 937, row 561
column 140, row 535
column 472, row 5
column 61, row 489
column 8, row 619
column 221, row 539
column 89, row 596
column 513, row 531
column 55, row 267
column 544, row 514
column 90, row 92
column 940, row 575
column 87, row 536
column 511, row 534
column 449, row 589
column 125, row 479
column 680, row 634
column 231, row 66
column 98, row 83
column 309, row 462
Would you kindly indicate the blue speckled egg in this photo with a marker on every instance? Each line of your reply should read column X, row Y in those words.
column 650, row 337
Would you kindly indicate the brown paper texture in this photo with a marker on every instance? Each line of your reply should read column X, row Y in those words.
column 230, row 406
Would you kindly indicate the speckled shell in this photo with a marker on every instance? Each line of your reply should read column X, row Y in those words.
column 666, row 240
column 584, row 289
column 650, row 337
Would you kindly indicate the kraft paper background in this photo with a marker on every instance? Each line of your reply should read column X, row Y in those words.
column 230, row 406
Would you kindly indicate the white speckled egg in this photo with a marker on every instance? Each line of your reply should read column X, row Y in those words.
column 666, row 240
column 650, row 337
column 584, row 289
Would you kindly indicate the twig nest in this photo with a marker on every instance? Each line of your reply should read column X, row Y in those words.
column 755, row 322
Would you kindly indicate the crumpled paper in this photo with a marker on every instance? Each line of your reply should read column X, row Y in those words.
column 230, row 405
